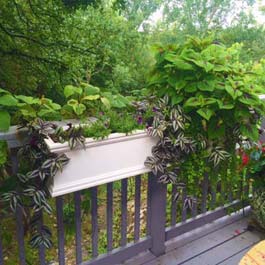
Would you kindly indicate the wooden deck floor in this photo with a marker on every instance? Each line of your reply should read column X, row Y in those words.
column 223, row 242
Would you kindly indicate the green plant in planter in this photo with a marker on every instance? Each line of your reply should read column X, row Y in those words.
column 105, row 123
column 87, row 100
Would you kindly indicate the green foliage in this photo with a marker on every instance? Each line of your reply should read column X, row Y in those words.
column 174, row 146
column 45, row 46
column 7, row 102
column 87, row 100
column 97, row 130
column 214, row 88
column 124, row 122
column 20, row 109
column 30, row 190
column 3, row 153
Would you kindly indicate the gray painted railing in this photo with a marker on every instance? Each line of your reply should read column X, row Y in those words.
column 165, row 220
column 157, row 232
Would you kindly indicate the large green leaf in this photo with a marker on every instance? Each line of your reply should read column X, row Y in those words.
column 204, row 64
column 28, row 100
column 116, row 101
column 179, row 63
column 91, row 97
column 8, row 100
column 205, row 113
column 176, row 99
column 234, row 93
column 249, row 100
column 193, row 102
column 91, row 90
column 206, row 85
column 191, row 88
column 28, row 112
column 105, row 102
column 225, row 105
column 71, row 90
column 79, row 109
column 209, row 101
column 3, row 91
column 72, row 102
column 5, row 120
column 250, row 131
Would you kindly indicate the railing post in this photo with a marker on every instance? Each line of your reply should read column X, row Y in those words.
column 157, row 214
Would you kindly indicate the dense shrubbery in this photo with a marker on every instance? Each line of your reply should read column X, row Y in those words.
column 206, row 81
column 45, row 46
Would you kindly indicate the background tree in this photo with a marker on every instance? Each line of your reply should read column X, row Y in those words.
column 45, row 46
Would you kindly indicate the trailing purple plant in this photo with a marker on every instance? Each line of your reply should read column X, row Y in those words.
column 176, row 143
column 36, row 169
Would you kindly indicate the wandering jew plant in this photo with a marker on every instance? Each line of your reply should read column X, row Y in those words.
column 171, row 125
column 37, row 167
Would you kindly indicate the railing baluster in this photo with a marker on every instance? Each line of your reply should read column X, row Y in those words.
column 78, row 223
column 1, row 249
column 173, row 206
column 60, row 228
column 109, row 216
column 158, row 200
column 205, row 184
column 148, row 218
column 42, row 247
column 137, row 208
column 20, row 236
column 124, row 192
column 184, row 209
column 94, row 217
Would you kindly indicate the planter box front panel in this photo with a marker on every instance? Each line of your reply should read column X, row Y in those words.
column 102, row 162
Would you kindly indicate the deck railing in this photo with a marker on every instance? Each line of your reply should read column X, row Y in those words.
column 105, row 231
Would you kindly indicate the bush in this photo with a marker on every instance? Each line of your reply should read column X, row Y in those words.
column 214, row 88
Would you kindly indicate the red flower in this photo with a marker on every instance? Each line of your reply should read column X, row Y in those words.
column 263, row 149
column 245, row 159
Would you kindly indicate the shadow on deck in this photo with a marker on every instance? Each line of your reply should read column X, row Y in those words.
column 223, row 242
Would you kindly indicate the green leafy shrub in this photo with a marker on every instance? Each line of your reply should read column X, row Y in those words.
column 214, row 88
column 210, row 104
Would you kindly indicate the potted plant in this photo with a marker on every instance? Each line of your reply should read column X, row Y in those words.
column 117, row 156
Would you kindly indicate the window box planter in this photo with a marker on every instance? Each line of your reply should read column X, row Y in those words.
column 117, row 157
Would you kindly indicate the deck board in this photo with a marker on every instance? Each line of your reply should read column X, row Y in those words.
column 225, row 245
column 235, row 259
column 227, row 249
